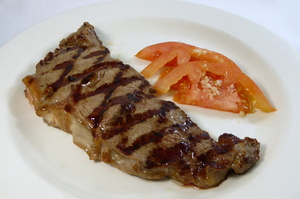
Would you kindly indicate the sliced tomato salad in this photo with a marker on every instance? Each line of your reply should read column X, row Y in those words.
column 203, row 78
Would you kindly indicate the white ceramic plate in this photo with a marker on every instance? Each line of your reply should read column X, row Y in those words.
column 40, row 161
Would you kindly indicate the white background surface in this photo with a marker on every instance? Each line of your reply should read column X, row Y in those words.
column 279, row 16
column 17, row 15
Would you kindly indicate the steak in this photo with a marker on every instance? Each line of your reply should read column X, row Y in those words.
column 113, row 114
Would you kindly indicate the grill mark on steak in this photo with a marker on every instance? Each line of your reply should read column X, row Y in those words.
column 80, row 50
column 66, row 66
column 85, row 77
column 108, row 90
column 88, row 75
column 62, row 81
column 154, row 136
column 128, row 120
column 161, row 156
column 166, row 156
column 51, row 55
column 100, row 54
column 47, row 59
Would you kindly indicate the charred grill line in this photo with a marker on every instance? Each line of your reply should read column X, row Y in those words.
column 166, row 156
column 122, row 125
column 87, row 76
column 99, row 54
column 66, row 65
column 108, row 90
column 80, row 50
column 50, row 56
column 152, row 137
column 47, row 59
column 62, row 81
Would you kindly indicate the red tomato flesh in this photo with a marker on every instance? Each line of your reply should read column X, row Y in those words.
column 203, row 78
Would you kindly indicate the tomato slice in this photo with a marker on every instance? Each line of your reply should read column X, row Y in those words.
column 209, row 93
column 152, row 52
column 252, row 90
column 164, row 84
column 179, row 53
column 163, row 53
column 203, row 78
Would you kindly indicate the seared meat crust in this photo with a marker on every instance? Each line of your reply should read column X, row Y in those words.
column 113, row 114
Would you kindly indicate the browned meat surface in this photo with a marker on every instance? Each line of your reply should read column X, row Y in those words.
column 113, row 114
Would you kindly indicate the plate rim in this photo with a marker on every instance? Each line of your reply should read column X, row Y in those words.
column 56, row 17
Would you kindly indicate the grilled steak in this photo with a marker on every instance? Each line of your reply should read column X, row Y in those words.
column 113, row 114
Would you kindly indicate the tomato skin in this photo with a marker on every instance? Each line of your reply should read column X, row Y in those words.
column 261, row 102
column 179, row 52
column 196, row 74
column 163, row 85
column 152, row 52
